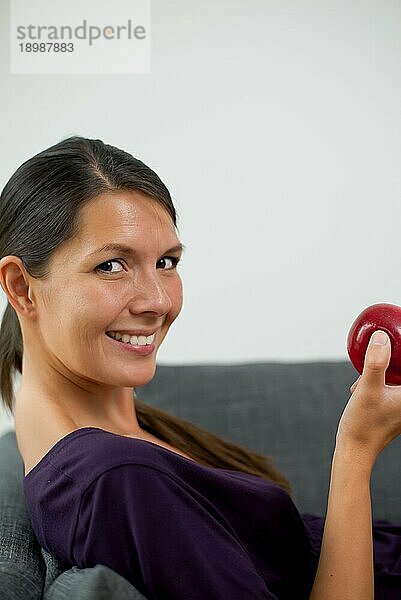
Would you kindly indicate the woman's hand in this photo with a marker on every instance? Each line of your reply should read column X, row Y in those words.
column 372, row 416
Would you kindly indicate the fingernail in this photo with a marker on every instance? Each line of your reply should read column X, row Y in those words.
column 379, row 337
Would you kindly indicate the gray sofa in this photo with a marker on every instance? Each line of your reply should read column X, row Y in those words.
column 289, row 411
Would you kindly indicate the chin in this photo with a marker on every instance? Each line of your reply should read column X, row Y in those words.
column 140, row 379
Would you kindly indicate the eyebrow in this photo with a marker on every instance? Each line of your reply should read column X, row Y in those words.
column 128, row 251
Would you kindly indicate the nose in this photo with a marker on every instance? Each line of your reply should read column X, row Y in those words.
column 150, row 295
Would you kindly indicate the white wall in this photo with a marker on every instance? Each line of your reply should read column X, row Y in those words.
column 276, row 127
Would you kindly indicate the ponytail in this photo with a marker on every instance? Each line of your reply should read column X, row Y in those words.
column 10, row 355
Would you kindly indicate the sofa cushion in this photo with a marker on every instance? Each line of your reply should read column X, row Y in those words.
column 92, row 583
column 22, row 570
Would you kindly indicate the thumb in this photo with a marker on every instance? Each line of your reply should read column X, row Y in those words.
column 377, row 359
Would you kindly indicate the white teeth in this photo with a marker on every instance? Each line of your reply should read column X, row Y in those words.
column 141, row 340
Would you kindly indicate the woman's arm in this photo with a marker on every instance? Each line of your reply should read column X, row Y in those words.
column 345, row 568
column 370, row 421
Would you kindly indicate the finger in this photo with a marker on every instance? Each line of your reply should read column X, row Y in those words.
column 377, row 359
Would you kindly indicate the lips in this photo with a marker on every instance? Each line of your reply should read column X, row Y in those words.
column 127, row 347
column 128, row 339
column 137, row 333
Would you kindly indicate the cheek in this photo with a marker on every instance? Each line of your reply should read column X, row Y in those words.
column 83, row 312
column 60, row 306
column 92, row 300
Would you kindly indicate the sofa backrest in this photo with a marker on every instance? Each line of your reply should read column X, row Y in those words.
column 289, row 411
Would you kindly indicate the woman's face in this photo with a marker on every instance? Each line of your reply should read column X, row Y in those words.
column 90, row 292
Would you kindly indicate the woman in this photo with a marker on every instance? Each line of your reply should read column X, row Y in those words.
column 89, row 265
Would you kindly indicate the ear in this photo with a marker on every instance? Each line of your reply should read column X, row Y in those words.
column 15, row 283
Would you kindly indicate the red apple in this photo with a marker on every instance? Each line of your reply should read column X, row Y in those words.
column 378, row 316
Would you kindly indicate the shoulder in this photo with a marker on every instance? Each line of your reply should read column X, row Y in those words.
column 135, row 488
column 90, row 472
column 87, row 454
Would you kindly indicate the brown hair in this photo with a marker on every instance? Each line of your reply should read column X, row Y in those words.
column 39, row 210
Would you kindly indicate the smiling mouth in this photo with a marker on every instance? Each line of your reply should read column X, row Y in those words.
column 132, row 339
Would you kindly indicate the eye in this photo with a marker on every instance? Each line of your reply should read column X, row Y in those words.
column 174, row 259
column 108, row 262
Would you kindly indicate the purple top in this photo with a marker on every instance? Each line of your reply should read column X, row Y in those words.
column 179, row 530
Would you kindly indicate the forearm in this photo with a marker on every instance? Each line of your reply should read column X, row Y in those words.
column 345, row 569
